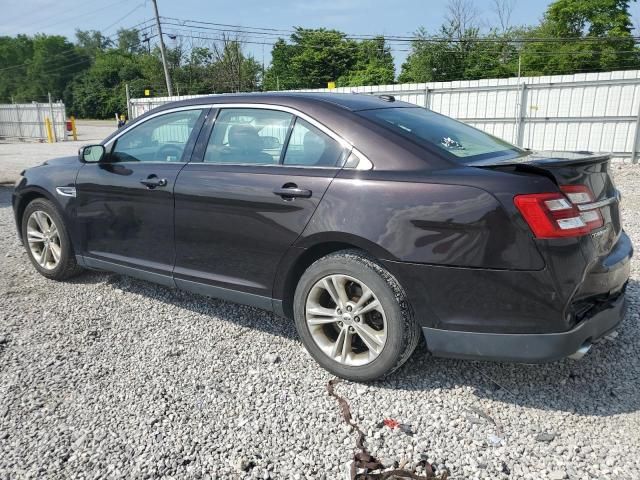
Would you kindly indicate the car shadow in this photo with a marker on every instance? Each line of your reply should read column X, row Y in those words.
column 242, row 315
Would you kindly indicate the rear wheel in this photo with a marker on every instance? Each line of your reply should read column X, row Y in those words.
column 47, row 241
column 353, row 317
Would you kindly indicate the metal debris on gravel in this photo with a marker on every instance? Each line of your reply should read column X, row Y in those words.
column 110, row 377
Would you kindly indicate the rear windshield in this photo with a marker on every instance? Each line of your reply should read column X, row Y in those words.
column 461, row 142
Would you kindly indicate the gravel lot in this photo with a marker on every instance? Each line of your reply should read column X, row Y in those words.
column 16, row 156
column 112, row 377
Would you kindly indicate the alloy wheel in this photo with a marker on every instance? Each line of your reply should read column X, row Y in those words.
column 44, row 240
column 346, row 320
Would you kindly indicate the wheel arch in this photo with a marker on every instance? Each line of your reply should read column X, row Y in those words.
column 24, row 198
column 300, row 256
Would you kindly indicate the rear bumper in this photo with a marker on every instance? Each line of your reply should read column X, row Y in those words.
column 526, row 347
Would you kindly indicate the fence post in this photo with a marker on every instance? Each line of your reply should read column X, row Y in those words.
column 427, row 99
column 40, row 123
column 522, row 113
column 19, row 121
column 636, row 139
column 53, row 119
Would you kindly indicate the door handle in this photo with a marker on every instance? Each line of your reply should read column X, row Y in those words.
column 152, row 181
column 291, row 192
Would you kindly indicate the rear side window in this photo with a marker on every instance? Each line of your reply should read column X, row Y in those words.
column 248, row 136
column 459, row 141
column 310, row 147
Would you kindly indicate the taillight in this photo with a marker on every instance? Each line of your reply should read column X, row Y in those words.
column 554, row 215
column 581, row 196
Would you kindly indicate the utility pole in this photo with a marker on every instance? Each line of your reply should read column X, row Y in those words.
column 167, row 77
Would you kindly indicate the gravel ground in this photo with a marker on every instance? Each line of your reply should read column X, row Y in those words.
column 15, row 156
column 109, row 377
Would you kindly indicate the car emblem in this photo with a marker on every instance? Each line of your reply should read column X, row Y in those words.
column 599, row 233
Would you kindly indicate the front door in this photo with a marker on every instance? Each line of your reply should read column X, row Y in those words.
column 125, row 202
column 262, row 175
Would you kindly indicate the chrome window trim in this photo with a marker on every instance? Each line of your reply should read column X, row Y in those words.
column 126, row 129
column 260, row 106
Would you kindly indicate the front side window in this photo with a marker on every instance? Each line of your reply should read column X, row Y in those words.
column 248, row 136
column 460, row 141
column 310, row 147
column 160, row 139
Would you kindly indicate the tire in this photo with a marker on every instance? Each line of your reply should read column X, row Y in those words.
column 65, row 267
column 357, row 273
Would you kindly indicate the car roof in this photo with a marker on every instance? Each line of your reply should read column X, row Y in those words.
column 349, row 101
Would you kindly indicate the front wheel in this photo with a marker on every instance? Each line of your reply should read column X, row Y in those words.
column 353, row 317
column 47, row 241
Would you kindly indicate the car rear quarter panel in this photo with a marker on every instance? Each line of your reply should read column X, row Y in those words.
column 461, row 254
column 422, row 222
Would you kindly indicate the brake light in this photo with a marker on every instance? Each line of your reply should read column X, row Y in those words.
column 551, row 215
column 559, row 215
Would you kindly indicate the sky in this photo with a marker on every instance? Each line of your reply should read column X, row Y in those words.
column 390, row 17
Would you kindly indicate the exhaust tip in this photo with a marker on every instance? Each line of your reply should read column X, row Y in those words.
column 581, row 352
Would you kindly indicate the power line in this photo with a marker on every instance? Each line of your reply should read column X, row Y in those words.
column 247, row 40
column 397, row 38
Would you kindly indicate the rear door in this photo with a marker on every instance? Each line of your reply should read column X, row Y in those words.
column 261, row 175
column 125, row 202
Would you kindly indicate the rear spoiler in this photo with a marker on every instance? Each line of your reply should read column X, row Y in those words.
column 544, row 159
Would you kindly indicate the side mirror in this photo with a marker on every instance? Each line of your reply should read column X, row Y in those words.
column 91, row 153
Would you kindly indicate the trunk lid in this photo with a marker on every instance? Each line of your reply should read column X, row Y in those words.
column 572, row 169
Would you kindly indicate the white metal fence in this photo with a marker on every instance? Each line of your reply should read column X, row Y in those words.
column 138, row 106
column 599, row 112
column 27, row 120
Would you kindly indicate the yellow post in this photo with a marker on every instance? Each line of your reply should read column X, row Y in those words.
column 331, row 85
column 73, row 128
column 49, row 128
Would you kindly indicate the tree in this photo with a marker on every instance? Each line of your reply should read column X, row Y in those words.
column 503, row 10
column 91, row 41
column 592, row 35
column 129, row 40
column 15, row 54
column 312, row 59
column 443, row 57
column 374, row 65
column 461, row 18
column 55, row 63
column 231, row 70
